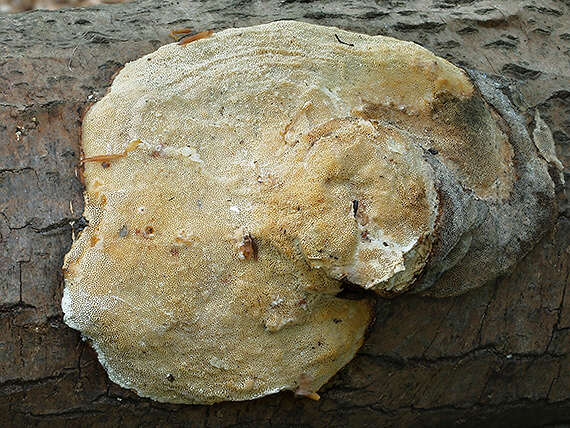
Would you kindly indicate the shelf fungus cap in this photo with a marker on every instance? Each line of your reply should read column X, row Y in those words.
column 238, row 186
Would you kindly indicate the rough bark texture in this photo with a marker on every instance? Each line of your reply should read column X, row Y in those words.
column 497, row 356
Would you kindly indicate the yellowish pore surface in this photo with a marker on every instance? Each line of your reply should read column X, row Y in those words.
column 263, row 177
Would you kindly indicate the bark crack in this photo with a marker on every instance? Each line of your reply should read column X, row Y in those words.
column 439, row 327
column 17, row 170
column 479, row 335
column 554, row 380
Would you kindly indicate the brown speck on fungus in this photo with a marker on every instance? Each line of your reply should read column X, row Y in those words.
column 406, row 174
column 246, row 245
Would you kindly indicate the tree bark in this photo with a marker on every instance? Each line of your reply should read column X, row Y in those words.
column 497, row 356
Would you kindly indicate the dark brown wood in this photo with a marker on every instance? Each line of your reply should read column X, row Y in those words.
column 497, row 356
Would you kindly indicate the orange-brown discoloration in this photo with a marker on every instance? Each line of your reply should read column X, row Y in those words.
column 248, row 247
column 192, row 38
column 303, row 389
column 106, row 158
column 179, row 31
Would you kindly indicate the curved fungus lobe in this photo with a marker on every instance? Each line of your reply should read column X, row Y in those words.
column 340, row 158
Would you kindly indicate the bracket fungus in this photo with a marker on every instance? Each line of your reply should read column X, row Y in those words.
column 236, row 184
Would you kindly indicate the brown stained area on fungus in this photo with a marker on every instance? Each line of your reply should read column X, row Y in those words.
column 255, row 174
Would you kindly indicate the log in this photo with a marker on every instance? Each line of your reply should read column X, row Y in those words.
column 496, row 356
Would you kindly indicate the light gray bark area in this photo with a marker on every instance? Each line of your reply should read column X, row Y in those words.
column 496, row 356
